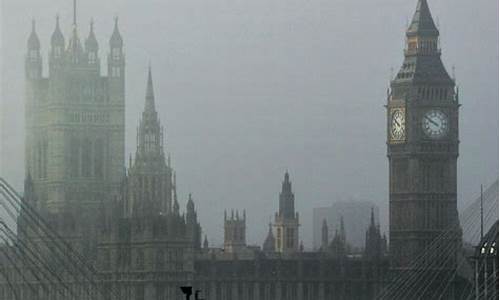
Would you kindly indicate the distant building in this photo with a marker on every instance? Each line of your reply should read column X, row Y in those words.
column 234, row 232
column 356, row 216
column 286, row 220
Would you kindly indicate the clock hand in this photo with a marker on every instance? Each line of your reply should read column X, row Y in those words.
column 432, row 121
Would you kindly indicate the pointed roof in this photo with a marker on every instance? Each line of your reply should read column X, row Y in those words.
column 74, row 45
column 57, row 35
column 150, row 95
column 116, row 38
column 269, row 241
column 190, row 204
column 33, row 41
column 422, row 22
column 205, row 242
column 91, row 42
column 372, row 218
column 287, row 184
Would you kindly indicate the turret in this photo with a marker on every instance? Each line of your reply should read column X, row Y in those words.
column 324, row 235
column 234, row 232
column 150, row 134
column 375, row 244
column 56, row 57
column 92, row 47
column 33, row 57
column 174, row 191
column 270, row 241
column 422, row 34
column 287, row 199
column 287, row 220
column 74, row 52
column 205, row 243
column 192, row 226
column 116, row 58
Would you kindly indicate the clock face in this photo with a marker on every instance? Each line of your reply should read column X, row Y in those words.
column 397, row 128
column 435, row 124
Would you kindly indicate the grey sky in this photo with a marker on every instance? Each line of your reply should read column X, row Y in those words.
column 246, row 89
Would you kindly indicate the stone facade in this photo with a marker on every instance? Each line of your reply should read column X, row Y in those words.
column 422, row 147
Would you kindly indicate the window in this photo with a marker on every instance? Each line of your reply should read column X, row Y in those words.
column 115, row 72
column 92, row 57
column 140, row 259
column 86, row 164
column 74, row 157
column 99, row 158
column 33, row 55
column 116, row 53
column 160, row 259
column 278, row 240
column 289, row 237
column 150, row 142
column 57, row 51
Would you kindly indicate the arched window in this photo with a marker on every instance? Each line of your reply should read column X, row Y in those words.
column 140, row 259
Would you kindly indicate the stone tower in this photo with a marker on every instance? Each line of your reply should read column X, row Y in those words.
column 150, row 178
column 286, row 220
column 75, row 121
column 422, row 147
column 375, row 244
column 234, row 232
column 324, row 235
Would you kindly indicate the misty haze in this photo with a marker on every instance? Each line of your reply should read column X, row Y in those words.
column 284, row 137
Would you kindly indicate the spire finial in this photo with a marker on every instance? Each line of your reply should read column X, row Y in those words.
column 150, row 96
column 33, row 24
column 372, row 218
column 74, row 13
column 91, row 24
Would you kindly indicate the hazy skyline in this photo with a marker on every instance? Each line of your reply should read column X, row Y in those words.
column 248, row 89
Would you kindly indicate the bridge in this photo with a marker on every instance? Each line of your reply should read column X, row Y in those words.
column 59, row 272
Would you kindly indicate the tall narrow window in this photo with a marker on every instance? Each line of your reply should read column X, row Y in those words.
column 74, row 159
column 57, row 52
column 116, row 53
column 99, row 158
column 140, row 259
column 45, row 157
column 33, row 55
column 92, row 57
column 86, row 163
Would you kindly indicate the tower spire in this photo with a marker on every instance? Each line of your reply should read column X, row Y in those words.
column 33, row 41
column 74, row 13
column 150, row 96
column 372, row 218
column 422, row 23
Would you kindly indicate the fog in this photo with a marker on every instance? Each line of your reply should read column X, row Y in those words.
column 248, row 89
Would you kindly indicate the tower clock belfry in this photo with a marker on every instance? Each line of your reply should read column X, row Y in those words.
column 422, row 147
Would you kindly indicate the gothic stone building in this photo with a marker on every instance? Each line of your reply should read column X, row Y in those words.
column 128, row 223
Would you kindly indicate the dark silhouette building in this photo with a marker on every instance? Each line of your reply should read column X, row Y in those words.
column 422, row 147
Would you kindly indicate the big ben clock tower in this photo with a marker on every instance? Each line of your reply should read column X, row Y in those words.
column 422, row 147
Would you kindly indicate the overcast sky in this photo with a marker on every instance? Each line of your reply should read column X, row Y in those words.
column 247, row 89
